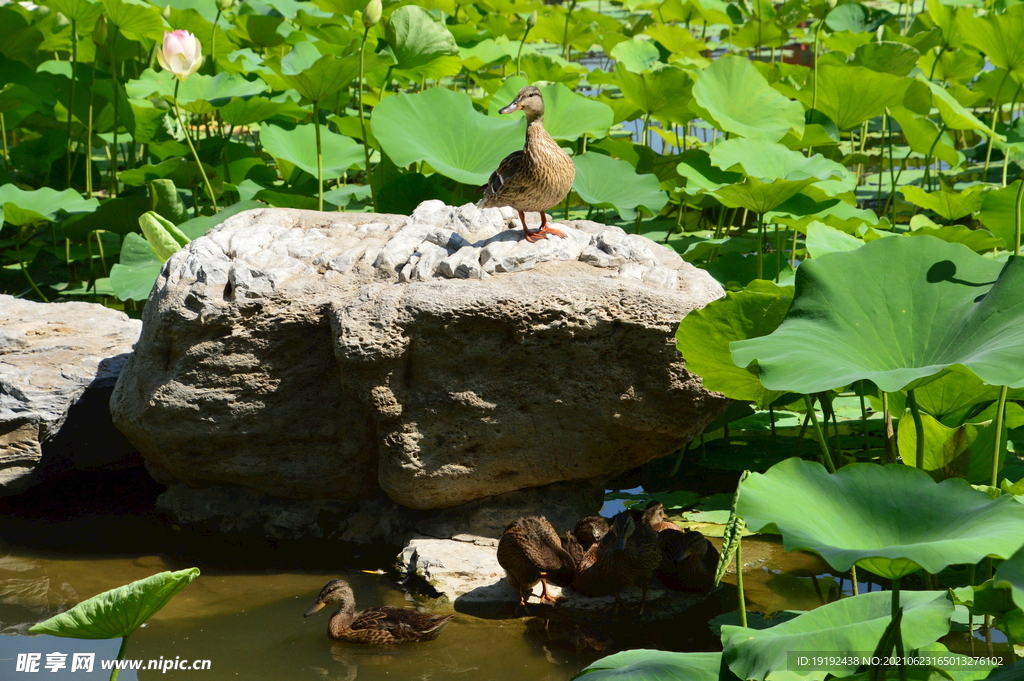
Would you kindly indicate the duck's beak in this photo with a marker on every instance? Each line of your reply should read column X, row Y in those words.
column 516, row 105
column 316, row 607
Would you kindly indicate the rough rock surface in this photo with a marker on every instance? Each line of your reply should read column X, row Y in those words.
column 439, row 357
column 58, row 366
column 463, row 573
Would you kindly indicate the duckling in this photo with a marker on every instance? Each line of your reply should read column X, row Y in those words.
column 378, row 625
column 628, row 554
column 531, row 551
column 536, row 178
column 689, row 561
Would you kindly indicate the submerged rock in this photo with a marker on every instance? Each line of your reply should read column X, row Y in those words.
column 58, row 366
column 437, row 358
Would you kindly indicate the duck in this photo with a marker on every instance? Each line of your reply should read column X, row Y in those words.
column 536, row 178
column 589, row 530
column 689, row 561
column 628, row 554
column 378, row 625
column 531, row 551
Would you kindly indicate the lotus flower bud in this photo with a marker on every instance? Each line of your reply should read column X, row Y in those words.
column 531, row 20
column 166, row 14
column 99, row 33
column 225, row 5
column 373, row 12
column 181, row 54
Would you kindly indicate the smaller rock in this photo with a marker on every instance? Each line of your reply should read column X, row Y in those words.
column 598, row 258
column 463, row 264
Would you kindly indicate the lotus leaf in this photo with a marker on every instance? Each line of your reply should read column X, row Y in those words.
column 850, row 322
column 1011, row 574
column 676, row 39
column 135, row 20
column 886, row 57
column 953, row 114
column 567, row 115
column 997, row 35
column 1008, row 672
column 761, row 112
column 133, row 277
column 856, row 18
column 822, row 239
column 850, row 95
column 950, row 396
column 605, row 182
column 77, row 10
column 704, row 335
column 165, row 238
column 199, row 94
column 21, row 207
column 961, row 452
column 950, row 205
column 636, row 55
column 997, row 212
column 442, row 128
column 120, row 611
column 298, row 147
column 314, row 75
column 422, row 46
column 855, row 623
column 921, row 134
column 891, row 520
column 657, row 665
column 663, row 92
column 246, row 111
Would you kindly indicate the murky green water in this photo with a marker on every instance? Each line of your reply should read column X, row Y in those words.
column 244, row 614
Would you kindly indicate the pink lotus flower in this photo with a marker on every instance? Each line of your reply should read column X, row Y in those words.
column 181, row 54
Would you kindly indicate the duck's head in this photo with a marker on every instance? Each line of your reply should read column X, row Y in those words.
column 335, row 592
column 692, row 545
column 529, row 101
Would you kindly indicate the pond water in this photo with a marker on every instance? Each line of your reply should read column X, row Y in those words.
column 63, row 543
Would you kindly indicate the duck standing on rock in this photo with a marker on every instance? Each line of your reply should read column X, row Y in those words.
column 627, row 554
column 531, row 551
column 378, row 625
column 536, row 178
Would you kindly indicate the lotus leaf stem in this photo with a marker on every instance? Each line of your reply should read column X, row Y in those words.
column 1017, row 217
column 120, row 656
column 24, row 270
column 213, row 43
column 522, row 42
column 1000, row 413
column 1006, row 156
column 853, row 580
column 319, row 156
column 760, row 246
column 195, row 154
column 821, row 437
column 362, row 115
column 995, row 115
column 739, row 580
column 899, row 632
column 71, row 102
column 3, row 137
column 800, row 435
column 918, row 430
column 117, row 110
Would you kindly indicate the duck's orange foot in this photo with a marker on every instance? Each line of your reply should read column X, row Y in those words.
column 543, row 232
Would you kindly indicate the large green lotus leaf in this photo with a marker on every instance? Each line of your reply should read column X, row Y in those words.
column 1008, row 672
column 677, row 40
column 822, row 239
column 567, row 115
column 920, row 133
column 133, row 277
column 23, row 207
column 961, row 452
column 120, row 611
column 738, row 99
column 954, row 114
column 856, row 18
column 850, row 95
column 701, row 176
column 636, row 55
column 954, row 667
column 1011, row 574
column 199, row 94
column 246, row 111
column 944, row 16
column 758, row 196
column 663, row 92
column 997, row 35
column 768, row 160
column 704, row 335
column 998, row 209
column 848, row 624
column 606, row 182
column 81, row 11
column 949, row 397
column 657, row 665
column 298, row 146
column 950, row 205
column 978, row 240
column 442, row 128
column 317, row 76
column 421, row 45
column 892, row 312
column 135, row 21
column 887, row 57
column 892, row 520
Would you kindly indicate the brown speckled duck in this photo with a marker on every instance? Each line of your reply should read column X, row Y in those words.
column 689, row 561
column 378, row 625
column 536, row 178
column 590, row 530
column 531, row 551
column 628, row 554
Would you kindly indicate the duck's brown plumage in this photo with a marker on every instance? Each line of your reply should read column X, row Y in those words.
column 531, row 551
column 536, row 178
column 590, row 530
column 628, row 554
column 378, row 625
column 689, row 560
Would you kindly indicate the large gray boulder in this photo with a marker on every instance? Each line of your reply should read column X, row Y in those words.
column 58, row 366
column 439, row 358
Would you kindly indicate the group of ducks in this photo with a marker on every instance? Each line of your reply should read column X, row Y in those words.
column 601, row 557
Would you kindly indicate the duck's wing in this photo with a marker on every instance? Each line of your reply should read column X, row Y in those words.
column 507, row 170
column 398, row 621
